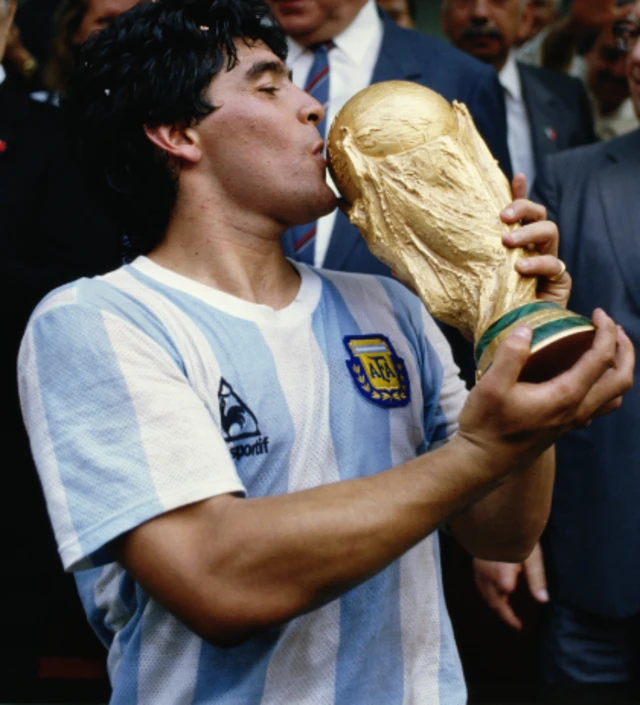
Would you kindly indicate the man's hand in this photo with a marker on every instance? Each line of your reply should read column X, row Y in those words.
column 540, row 234
column 6, row 22
column 496, row 583
column 513, row 422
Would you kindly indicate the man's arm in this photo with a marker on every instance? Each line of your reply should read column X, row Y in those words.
column 230, row 568
column 507, row 518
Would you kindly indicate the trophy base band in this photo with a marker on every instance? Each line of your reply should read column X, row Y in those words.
column 560, row 338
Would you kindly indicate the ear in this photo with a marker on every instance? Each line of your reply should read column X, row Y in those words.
column 178, row 142
column 525, row 25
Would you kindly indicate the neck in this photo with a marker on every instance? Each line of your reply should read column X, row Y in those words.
column 240, row 256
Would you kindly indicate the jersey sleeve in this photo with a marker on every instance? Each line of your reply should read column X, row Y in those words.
column 117, row 433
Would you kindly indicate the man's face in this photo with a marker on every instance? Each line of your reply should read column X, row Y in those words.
column 398, row 10
column 261, row 150
column 544, row 13
column 486, row 29
column 99, row 14
column 633, row 66
column 607, row 72
column 313, row 21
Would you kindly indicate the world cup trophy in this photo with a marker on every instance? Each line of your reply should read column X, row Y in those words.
column 425, row 192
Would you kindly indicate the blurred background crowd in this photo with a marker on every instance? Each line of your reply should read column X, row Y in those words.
column 554, row 88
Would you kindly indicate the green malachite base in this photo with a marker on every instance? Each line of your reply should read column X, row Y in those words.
column 560, row 337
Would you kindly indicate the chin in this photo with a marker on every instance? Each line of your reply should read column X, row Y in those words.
column 323, row 205
column 330, row 203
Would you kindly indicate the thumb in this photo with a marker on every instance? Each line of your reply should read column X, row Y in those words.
column 519, row 186
column 536, row 576
column 510, row 356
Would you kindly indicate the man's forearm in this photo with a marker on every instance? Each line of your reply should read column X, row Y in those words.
column 506, row 524
column 256, row 563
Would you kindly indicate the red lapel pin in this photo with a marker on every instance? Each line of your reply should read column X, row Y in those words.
column 3, row 146
column 551, row 133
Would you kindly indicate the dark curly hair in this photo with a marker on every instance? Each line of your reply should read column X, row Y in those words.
column 152, row 66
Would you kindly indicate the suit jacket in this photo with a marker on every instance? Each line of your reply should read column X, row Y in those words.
column 558, row 109
column 52, row 231
column 592, row 542
column 411, row 56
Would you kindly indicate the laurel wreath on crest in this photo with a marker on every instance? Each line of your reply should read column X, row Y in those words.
column 399, row 395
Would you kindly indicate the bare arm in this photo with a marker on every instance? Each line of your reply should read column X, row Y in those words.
column 507, row 522
column 230, row 567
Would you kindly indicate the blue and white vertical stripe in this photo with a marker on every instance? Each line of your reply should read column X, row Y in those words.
column 119, row 379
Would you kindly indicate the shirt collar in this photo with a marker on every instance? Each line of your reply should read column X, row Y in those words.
column 356, row 40
column 510, row 78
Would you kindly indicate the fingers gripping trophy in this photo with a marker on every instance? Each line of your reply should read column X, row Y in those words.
column 425, row 192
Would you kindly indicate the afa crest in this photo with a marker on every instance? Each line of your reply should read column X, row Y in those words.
column 378, row 372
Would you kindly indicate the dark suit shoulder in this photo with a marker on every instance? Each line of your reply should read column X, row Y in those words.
column 433, row 48
column 434, row 54
column 554, row 80
column 18, row 107
column 587, row 156
column 570, row 169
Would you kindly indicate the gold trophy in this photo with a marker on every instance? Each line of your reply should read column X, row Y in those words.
column 425, row 192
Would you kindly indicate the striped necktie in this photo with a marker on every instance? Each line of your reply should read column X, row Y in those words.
column 317, row 85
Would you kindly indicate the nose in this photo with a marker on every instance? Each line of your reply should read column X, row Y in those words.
column 479, row 11
column 310, row 109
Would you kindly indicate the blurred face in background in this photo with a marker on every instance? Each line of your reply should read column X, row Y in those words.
column 633, row 65
column 313, row 21
column 607, row 72
column 399, row 12
column 486, row 29
column 544, row 13
column 98, row 15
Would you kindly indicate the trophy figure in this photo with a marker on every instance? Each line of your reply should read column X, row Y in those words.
column 425, row 192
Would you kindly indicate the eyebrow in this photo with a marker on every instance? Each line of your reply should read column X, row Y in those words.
column 262, row 67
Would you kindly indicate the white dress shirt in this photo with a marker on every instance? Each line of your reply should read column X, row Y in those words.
column 3, row 74
column 351, row 65
column 518, row 127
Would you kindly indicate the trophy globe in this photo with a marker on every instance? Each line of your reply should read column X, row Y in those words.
column 426, row 194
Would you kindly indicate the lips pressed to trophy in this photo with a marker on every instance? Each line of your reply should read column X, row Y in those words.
column 426, row 194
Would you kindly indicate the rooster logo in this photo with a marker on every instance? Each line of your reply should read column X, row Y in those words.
column 237, row 419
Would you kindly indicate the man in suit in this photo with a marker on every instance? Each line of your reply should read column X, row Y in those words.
column 52, row 231
column 592, row 542
column 546, row 111
column 368, row 47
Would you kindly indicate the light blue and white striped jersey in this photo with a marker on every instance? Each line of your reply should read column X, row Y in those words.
column 144, row 391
